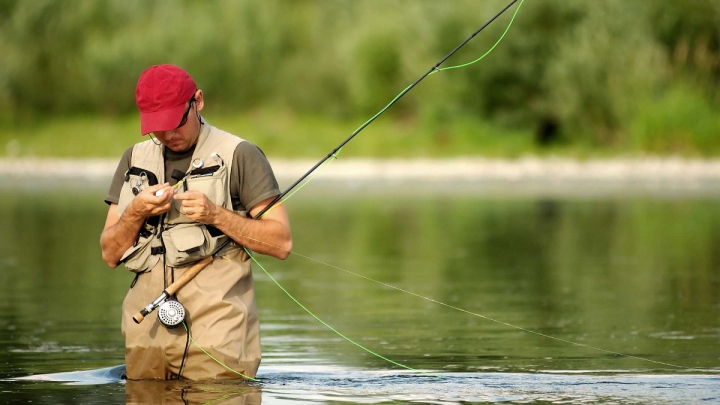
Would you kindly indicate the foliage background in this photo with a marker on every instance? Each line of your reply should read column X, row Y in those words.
column 571, row 77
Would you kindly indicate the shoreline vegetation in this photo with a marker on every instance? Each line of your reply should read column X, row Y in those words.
column 287, row 134
column 579, row 80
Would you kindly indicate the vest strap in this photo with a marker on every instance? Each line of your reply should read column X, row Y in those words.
column 137, row 276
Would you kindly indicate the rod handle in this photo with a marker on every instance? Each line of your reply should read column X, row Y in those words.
column 139, row 317
column 188, row 275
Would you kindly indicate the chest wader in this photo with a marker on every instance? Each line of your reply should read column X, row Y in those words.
column 219, row 302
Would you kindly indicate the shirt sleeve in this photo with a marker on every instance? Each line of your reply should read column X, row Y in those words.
column 113, row 196
column 252, row 178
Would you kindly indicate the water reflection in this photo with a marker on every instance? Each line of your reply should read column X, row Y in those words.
column 328, row 384
column 177, row 392
column 636, row 275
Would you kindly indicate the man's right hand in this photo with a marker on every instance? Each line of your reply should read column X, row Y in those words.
column 146, row 204
column 121, row 231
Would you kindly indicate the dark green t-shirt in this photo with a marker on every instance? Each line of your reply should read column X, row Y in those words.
column 251, row 178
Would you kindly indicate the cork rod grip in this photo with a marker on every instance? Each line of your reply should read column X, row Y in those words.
column 138, row 317
column 173, row 288
column 188, row 275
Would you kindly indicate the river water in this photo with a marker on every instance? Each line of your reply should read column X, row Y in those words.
column 505, row 295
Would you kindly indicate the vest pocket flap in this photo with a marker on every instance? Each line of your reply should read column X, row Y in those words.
column 187, row 243
column 139, row 258
column 188, row 239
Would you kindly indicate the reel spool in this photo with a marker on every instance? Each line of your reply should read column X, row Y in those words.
column 171, row 313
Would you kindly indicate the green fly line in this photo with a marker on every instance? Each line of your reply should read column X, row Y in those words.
column 489, row 50
column 487, row 317
column 325, row 163
column 334, row 156
column 447, row 68
column 222, row 398
column 439, row 303
column 282, row 196
column 216, row 360
column 330, row 327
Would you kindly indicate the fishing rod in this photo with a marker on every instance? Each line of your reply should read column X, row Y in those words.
column 334, row 152
column 172, row 313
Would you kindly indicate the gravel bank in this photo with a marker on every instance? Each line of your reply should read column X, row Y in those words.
column 666, row 173
column 530, row 168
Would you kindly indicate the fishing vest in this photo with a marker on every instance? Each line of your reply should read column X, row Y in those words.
column 172, row 235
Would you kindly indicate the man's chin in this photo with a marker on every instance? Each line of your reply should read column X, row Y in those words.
column 177, row 148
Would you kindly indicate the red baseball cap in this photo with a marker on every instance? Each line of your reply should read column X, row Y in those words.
column 161, row 94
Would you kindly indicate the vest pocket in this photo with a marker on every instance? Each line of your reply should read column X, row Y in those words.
column 139, row 257
column 183, row 244
column 212, row 184
column 136, row 180
column 187, row 243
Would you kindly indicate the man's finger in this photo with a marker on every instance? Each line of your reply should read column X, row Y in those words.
column 164, row 195
column 188, row 195
column 156, row 187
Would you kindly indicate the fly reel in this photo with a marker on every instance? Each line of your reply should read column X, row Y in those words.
column 171, row 313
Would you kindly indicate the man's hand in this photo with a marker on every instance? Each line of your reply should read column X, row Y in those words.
column 147, row 204
column 268, row 235
column 121, row 231
column 196, row 206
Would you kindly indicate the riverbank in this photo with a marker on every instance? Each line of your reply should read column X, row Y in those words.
column 528, row 168
column 529, row 176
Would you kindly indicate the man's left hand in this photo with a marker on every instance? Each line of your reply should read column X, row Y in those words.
column 196, row 206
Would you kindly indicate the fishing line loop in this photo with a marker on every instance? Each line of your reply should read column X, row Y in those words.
column 305, row 178
column 432, row 70
column 334, row 154
column 445, row 305
column 330, row 327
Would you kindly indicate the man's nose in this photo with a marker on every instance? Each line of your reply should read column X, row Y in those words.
column 164, row 134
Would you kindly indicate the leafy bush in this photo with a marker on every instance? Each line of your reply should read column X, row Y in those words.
column 569, row 71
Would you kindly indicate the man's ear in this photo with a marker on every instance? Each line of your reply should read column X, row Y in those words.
column 199, row 101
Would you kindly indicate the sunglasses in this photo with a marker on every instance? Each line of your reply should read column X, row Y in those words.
column 184, row 119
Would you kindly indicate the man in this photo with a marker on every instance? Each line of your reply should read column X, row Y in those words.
column 188, row 193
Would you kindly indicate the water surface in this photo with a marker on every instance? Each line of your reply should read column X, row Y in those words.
column 632, row 273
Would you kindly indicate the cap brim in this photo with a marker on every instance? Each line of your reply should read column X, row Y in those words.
column 164, row 120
